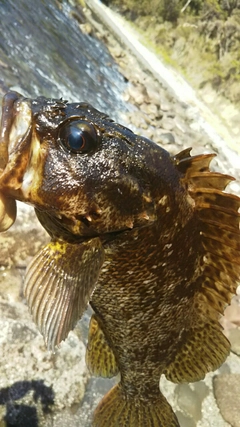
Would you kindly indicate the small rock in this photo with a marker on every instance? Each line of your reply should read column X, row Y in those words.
column 181, row 125
column 167, row 123
column 188, row 401
column 149, row 109
column 234, row 338
column 167, row 138
column 232, row 312
column 153, row 94
column 137, row 120
column 137, row 94
column 86, row 28
column 165, row 105
column 201, row 389
column 185, row 421
column 227, row 392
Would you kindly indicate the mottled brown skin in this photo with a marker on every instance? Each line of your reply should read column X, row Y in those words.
column 159, row 291
column 146, row 312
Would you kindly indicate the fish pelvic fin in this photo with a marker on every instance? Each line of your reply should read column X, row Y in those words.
column 58, row 285
column 117, row 409
column 100, row 358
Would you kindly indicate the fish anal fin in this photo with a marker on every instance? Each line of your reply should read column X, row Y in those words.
column 58, row 286
column 118, row 409
column 205, row 349
column 100, row 358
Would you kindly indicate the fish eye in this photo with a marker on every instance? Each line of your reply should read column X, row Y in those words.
column 78, row 136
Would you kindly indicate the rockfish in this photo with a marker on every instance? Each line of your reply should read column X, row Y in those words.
column 150, row 240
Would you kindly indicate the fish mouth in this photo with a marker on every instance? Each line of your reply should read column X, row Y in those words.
column 15, row 134
column 15, row 124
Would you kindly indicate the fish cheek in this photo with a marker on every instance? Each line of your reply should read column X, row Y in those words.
column 53, row 179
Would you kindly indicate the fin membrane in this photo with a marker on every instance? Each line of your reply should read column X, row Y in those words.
column 59, row 283
column 100, row 358
column 205, row 350
column 219, row 218
column 118, row 410
column 206, row 347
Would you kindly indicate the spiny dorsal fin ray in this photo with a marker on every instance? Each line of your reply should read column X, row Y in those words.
column 192, row 164
column 210, row 214
column 213, row 247
column 59, row 283
column 209, row 197
column 182, row 155
column 228, row 237
column 210, row 180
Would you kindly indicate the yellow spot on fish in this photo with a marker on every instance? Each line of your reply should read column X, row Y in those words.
column 163, row 201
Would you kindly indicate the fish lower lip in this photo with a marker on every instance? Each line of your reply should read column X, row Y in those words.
column 6, row 123
column 16, row 125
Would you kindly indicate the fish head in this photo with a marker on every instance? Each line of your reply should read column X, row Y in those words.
column 85, row 174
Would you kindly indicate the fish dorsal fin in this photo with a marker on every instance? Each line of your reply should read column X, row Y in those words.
column 205, row 347
column 197, row 172
column 58, row 285
column 219, row 217
column 188, row 164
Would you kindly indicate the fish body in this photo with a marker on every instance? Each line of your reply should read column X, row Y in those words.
column 150, row 240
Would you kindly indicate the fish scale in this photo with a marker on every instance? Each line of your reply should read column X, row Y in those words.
column 150, row 240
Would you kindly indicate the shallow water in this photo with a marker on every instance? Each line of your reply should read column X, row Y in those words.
column 44, row 52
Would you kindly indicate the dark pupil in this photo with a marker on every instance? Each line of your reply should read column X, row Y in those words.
column 76, row 140
column 78, row 136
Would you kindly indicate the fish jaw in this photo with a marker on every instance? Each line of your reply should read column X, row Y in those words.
column 15, row 129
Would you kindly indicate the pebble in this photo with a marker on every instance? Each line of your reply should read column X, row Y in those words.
column 234, row 338
column 229, row 400
column 166, row 138
column 167, row 123
column 136, row 94
column 149, row 109
column 188, row 401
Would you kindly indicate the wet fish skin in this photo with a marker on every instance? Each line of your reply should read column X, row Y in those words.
column 151, row 240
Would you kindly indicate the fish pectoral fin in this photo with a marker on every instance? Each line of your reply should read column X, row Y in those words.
column 119, row 409
column 59, row 283
column 205, row 349
column 8, row 212
column 100, row 358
